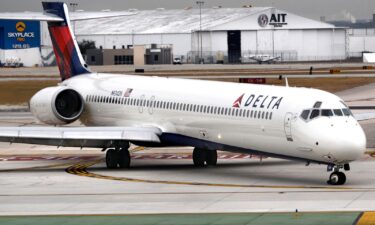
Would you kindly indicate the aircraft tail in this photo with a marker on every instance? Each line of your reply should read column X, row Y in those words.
column 68, row 56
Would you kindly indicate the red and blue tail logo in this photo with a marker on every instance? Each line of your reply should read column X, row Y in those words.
column 68, row 55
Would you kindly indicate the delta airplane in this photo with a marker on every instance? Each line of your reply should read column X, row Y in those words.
column 284, row 122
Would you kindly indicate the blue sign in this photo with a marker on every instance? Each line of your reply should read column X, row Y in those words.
column 17, row 34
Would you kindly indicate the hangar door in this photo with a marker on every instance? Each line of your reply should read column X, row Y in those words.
column 234, row 46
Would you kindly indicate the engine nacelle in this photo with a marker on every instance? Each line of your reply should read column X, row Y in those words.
column 57, row 105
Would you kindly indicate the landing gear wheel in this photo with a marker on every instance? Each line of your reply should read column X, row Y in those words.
column 124, row 158
column 211, row 157
column 337, row 178
column 111, row 159
column 199, row 157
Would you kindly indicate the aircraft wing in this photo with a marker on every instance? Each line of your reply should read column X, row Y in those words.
column 96, row 137
column 271, row 59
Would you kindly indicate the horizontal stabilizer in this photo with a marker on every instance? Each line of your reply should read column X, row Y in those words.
column 74, row 16
column 31, row 16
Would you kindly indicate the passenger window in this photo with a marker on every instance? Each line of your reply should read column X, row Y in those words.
column 266, row 115
column 314, row 113
column 305, row 114
column 255, row 114
column 262, row 115
column 270, row 115
column 337, row 112
column 327, row 112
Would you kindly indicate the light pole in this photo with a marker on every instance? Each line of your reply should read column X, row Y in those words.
column 74, row 5
column 200, row 3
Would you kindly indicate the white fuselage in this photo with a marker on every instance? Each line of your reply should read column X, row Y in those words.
column 259, row 119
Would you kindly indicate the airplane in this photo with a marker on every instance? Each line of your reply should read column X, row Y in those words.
column 264, row 58
column 302, row 124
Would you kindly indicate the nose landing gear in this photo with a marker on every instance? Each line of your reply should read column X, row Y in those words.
column 337, row 177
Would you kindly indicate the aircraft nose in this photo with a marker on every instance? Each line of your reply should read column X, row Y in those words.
column 353, row 144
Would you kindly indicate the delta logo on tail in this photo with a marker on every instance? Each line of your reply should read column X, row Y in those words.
column 237, row 103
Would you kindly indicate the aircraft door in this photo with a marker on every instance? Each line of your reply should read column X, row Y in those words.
column 288, row 126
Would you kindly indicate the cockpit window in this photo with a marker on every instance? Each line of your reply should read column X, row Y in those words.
column 338, row 112
column 305, row 114
column 317, row 105
column 314, row 113
column 327, row 112
column 310, row 114
column 346, row 112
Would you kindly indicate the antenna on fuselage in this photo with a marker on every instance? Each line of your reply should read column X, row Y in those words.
column 286, row 80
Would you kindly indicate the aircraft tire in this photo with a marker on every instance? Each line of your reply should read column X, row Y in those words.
column 124, row 158
column 199, row 157
column 211, row 157
column 111, row 159
column 337, row 178
column 342, row 178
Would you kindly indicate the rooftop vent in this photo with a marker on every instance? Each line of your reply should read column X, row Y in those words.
column 217, row 7
column 247, row 6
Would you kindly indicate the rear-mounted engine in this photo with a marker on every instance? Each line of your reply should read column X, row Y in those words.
column 57, row 105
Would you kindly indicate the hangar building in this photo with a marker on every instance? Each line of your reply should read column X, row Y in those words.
column 229, row 35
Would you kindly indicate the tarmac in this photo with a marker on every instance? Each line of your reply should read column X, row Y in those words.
column 46, row 185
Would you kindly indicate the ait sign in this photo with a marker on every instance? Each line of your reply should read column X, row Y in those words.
column 15, row 34
column 275, row 19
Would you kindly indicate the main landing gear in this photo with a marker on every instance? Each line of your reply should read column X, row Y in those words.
column 202, row 157
column 117, row 158
column 337, row 177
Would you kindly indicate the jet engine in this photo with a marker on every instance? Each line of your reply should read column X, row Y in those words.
column 57, row 105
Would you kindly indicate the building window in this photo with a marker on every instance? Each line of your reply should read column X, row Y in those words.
column 156, row 58
column 123, row 59
column 114, row 47
column 93, row 59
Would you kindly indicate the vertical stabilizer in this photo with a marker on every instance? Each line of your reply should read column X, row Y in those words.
column 68, row 55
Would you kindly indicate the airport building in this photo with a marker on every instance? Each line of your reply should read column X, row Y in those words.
column 212, row 35
column 229, row 35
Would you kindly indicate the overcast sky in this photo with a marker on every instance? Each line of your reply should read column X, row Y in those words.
column 331, row 9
